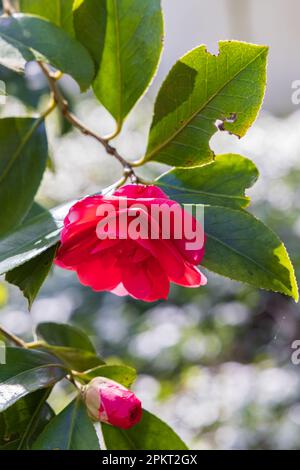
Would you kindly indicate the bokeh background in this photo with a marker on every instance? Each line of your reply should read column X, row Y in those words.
column 214, row 362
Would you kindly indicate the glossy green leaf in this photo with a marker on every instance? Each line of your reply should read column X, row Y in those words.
column 122, row 374
column 90, row 18
column 58, row 12
column 29, row 277
column 129, row 57
column 37, row 233
column 200, row 89
column 26, row 371
column 149, row 434
column 242, row 248
column 71, row 429
column 24, row 38
column 75, row 359
column 23, row 156
column 70, row 344
column 62, row 334
column 222, row 182
column 21, row 424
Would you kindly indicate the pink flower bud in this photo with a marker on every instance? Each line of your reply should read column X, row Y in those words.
column 109, row 402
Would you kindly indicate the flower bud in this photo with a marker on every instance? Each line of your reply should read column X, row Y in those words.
column 109, row 402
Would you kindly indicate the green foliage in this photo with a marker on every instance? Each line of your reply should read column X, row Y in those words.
column 23, row 156
column 69, row 430
column 221, row 183
column 127, row 54
column 22, row 39
column 201, row 89
column 30, row 276
column 22, row 423
column 71, row 345
column 122, row 374
column 26, row 371
column 58, row 12
column 37, row 233
column 149, row 434
column 242, row 248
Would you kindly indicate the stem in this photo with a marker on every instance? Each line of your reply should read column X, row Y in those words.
column 63, row 105
column 12, row 338
column 8, row 8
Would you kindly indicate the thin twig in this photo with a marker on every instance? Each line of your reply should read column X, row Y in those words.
column 12, row 338
column 63, row 105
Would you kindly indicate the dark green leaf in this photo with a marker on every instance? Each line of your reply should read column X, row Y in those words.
column 70, row 430
column 29, row 277
column 37, row 233
column 242, row 248
column 23, row 156
column 129, row 57
column 58, row 12
column 222, row 182
column 75, row 359
column 70, row 344
column 89, row 18
column 201, row 89
column 24, row 38
column 24, row 421
column 61, row 334
column 26, row 371
column 122, row 374
column 149, row 434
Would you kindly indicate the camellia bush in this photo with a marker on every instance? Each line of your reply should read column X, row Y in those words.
column 112, row 239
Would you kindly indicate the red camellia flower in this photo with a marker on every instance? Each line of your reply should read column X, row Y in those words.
column 133, row 242
column 111, row 403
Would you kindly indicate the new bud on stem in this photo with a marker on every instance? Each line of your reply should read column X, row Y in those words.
column 111, row 403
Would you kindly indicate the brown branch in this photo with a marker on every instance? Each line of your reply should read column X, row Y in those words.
column 63, row 105
column 12, row 338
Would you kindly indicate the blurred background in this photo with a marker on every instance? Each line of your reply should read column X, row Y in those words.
column 214, row 362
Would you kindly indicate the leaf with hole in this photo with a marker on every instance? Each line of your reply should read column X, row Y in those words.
column 220, row 183
column 201, row 89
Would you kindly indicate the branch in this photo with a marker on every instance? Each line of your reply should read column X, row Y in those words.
column 8, row 7
column 12, row 338
column 63, row 105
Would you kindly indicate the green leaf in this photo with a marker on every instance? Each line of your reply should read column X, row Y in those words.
column 23, row 157
column 200, row 89
column 70, row 344
column 29, row 277
column 70, row 430
column 24, row 38
column 26, row 371
column 222, row 182
column 242, row 248
column 90, row 18
column 75, row 359
column 129, row 57
column 122, row 374
column 61, row 334
column 21, row 424
column 149, row 434
column 58, row 12
column 37, row 233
